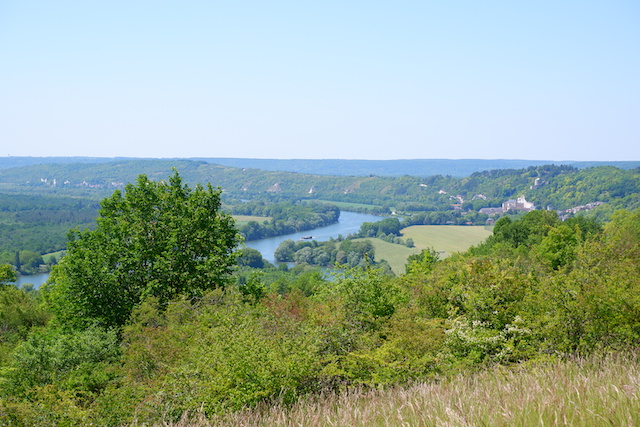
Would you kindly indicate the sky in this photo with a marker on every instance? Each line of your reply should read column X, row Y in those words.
column 537, row 80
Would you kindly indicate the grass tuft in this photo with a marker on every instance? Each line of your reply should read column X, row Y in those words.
column 580, row 392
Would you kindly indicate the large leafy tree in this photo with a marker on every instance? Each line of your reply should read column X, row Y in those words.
column 161, row 239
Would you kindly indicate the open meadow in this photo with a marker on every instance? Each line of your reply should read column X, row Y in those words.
column 593, row 392
column 396, row 255
column 243, row 219
column 446, row 239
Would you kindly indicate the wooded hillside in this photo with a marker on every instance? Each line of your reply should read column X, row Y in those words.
column 30, row 217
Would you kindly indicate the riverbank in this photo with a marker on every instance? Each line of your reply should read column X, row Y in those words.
column 348, row 223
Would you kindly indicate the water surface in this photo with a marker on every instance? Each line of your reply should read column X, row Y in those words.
column 349, row 222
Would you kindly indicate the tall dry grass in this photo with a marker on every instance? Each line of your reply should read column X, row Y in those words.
column 584, row 392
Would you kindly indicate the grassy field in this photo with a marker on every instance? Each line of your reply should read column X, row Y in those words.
column 396, row 255
column 243, row 219
column 57, row 255
column 593, row 392
column 446, row 238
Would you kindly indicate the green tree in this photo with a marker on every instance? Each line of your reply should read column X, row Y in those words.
column 250, row 257
column 7, row 273
column 285, row 250
column 19, row 314
column 422, row 262
column 160, row 239
column 368, row 297
column 560, row 244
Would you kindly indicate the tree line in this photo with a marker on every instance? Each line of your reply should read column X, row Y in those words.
column 285, row 218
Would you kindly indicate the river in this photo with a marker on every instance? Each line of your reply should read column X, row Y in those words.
column 349, row 222
column 36, row 280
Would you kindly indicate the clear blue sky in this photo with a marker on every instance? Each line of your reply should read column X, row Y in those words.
column 552, row 80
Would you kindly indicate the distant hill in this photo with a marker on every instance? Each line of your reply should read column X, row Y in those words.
column 559, row 187
column 416, row 167
column 14, row 161
column 60, row 196
column 341, row 167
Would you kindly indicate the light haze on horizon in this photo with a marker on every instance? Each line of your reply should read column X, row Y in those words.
column 556, row 80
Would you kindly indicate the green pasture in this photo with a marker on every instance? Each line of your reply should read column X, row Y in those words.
column 56, row 255
column 243, row 219
column 446, row 238
column 395, row 255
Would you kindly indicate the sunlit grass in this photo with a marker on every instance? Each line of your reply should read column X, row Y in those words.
column 243, row 219
column 593, row 392
column 56, row 255
column 446, row 238
column 396, row 255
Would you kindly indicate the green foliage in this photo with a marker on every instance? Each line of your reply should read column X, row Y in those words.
column 48, row 405
column 286, row 218
column 383, row 227
column 39, row 224
column 75, row 360
column 283, row 280
column 606, row 184
column 423, row 262
column 527, row 231
column 26, row 262
column 19, row 314
column 214, row 355
column 38, row 216
column 250, row 257
column 539, row 288
column 253, row 290
column 348, row 252
column 7, row 273
column 285, row 251
column 301, row 278
column 158, row 263
column 159, row 239
column 471, row 344
column 559, row 246
column 367, row 296
column 595, row 305
column 410, row 351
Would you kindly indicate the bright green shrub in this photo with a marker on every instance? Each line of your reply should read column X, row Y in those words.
column 216, row 356
column 47, row 406
column 410, row 351
column 75, row 360
column 19, row 313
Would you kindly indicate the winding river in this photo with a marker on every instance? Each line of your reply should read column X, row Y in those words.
column 349, row 222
